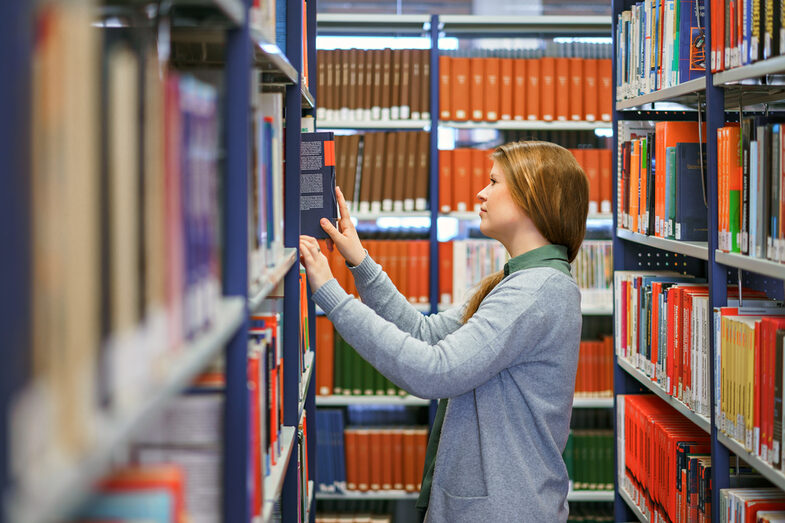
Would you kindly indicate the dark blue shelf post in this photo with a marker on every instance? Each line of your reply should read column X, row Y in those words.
column 16, row 40
column 236, row 501
column 433, row 190
column 291, row 301
column 718, row 274
column 310, row 399
column 623, row 258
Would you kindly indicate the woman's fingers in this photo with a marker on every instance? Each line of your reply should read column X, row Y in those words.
column 342, row 203
column 334, row 234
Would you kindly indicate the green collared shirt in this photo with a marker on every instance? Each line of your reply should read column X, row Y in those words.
column 553, row 256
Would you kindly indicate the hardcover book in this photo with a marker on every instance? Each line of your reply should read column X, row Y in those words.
column 317, row 182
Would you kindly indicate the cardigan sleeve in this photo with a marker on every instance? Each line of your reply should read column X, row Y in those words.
column 506, row 327
column 379, row 293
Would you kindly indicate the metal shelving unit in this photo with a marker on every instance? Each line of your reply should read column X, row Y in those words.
column 590, row 495
column 270, row 279
column 682, row 93
column 362, row 24
column 377, row 495
column 306, row 381
column 526, row 125
column 756, row 70
column 343, row 401
column 531, row 25
column 633, row 507
column 63, row 488
column 775, row 476
column 393, row 125
column 747, row 263
column 694, row 249
column 697, row 419
column 274, row 482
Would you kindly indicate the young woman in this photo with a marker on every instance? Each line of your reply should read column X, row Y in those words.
column 506, row 359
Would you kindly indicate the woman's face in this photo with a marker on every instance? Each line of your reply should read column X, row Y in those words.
column 500, row 216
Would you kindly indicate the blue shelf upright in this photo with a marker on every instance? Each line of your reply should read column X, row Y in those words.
column 236, row 423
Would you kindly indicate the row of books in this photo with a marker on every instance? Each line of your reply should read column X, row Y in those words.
column 405, row 262
column 125, row 260
column 384, row 171
column 661, row 43
column 663, row 460
column 375, row 84
column 464, row 172
column 751, row 189
column 749, row 393
column 594, row 377
column 374, row 459
column 524, row 89
column 340, row 370
column 744, row 32
column 592, row 269
column 589, row 459
column 762, row 505
column 265, row 195
column 662, row 183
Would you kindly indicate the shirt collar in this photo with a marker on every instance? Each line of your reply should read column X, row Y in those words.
column 546, row 256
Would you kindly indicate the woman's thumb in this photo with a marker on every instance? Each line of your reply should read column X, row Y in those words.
column 332, row 232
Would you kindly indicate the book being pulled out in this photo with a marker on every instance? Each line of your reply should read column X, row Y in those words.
column 317, row 182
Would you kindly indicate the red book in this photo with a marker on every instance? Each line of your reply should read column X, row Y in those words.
column 397, row 460
column 350, row 451
column 459, row 83
column 604, row 92
column 410, row 460
column 363, row 442
column 590, row 93
column 492, row 88
column 445, row 273
column 506, row 89
column 424, row 257
column 166, row 477
column 324, row 356
column 548, row 88
column 477, row 94
column 519, row 74
column 480, row 170
column 387, row 459
column 591, row 165
column 606, row 180
column 576, row 89
column 562, row 103
column 375, row 452
column 533, row 107
column 461, row 168
column 445, row 181
column 445, row 112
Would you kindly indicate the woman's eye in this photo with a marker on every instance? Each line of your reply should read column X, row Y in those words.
column 493, row 182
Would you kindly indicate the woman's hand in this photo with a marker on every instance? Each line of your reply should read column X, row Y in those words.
column 345, row 236
column 316, row 266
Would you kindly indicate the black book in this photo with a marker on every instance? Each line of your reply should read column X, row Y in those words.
column 317, row 182
column 691, row 210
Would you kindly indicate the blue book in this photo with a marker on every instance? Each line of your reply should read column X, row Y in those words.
column 670, row 193
column 692, row 40
column 317, row 182
column 154, row 506
column 691, row 210
column 340, row 452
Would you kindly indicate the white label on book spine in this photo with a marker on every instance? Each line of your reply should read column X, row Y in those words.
column 493, row 117
column 397, row 206
column 408, row 204
column 461, row 206
column 365, row 207
column 387, row 205
column 376, row 207
column 344, row 113
column 425, row 115
column 358, row 115
column 321, row 113
column 376, row 113
column 395, row 112
column 415, row 115
column 420, row 204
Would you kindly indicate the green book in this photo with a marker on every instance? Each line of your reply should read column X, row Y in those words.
column 379, row 383
column 569, row 460
column 358, row 365
column 348, row 368
column 670, row 191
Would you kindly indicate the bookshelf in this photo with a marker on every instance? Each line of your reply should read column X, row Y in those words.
column 720, row 97
column 344, row 401
column 239, row 58
column 393, row 125
column 529, row 125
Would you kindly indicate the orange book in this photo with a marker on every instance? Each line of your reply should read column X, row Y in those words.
column 533, row 108
column 590, row 94
column 591, row 158
column 350, row 451
column 519, row 75
column 422, row 445
column 492, row 88
column 548, row 88
column 375, row 451
column 643, row 178
column 444, row 88
column 576, row 89
column 604, row 92
column 477, row 92
column 562, row 105
column 414, row 276
column 635, row 171
column 445, row 181
column 400, row 251
column 580, row 157
column 480, row 170
column 606, row 180
column 505, row 89
column 733, row 196
column 386, row 459
column 445, row 273
column 461, row 168
column 397, row 460
column 410, row 460
column 424, row 256
column 363, row 443
column 324, row 356
column 459, row 82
